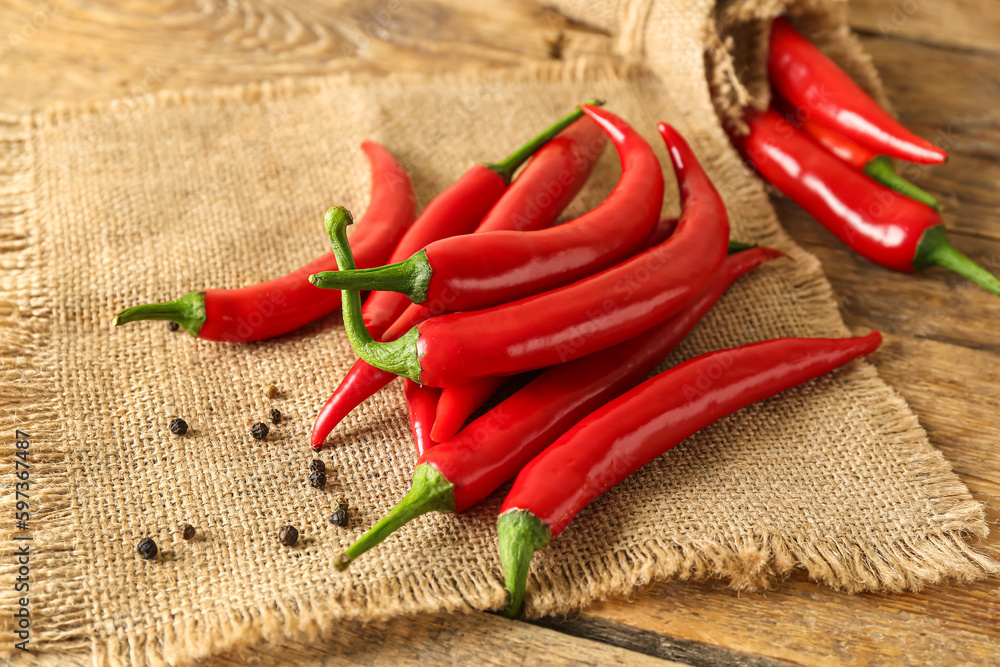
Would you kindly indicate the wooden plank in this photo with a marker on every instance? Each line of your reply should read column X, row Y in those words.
column 965, row 24
column 61, row 51
column 456, row 639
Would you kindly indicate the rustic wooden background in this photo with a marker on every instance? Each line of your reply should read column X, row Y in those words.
column 941, row 65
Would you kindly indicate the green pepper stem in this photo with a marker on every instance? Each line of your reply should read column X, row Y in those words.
column 739, row 246
column 430, row 492
column 411, row 277
column 187, row 311
column 935, row 248
column 880, row 169
column 510, row 164
column 396, row 356
column 521, row 534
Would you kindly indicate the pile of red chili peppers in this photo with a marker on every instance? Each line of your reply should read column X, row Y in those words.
column 481, row 287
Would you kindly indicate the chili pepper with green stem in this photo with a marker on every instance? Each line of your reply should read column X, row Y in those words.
column 457, row 402
column 460, row 472
column 807, row 78
column 627, row 433
column 876, row 166
column 278, row 306
column 566, row 323
column 535, row 200
column 895, row 232
column 480, row 270
column 457, row 210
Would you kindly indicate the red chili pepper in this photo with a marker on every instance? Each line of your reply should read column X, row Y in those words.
column 458, row 401
column 457, row 210
column 620, row 438
column 480, row 270
column 874, row 221
column 570, row 322
column 458, row 473
column 876, row 166
column 278, row 306
column 530, row 203
column 807, row 78
column 421, row 404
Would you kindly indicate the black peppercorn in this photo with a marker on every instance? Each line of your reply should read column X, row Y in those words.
column 288, row 536
column 340, row 518
column 275, row 415
column 317, row 479
column 178, row 427
column 146, row 548
column 259, row 430
column 187, row 532
column 317, row 465
column 173, row 326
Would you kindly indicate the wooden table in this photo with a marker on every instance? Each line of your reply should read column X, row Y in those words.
column 941, row 65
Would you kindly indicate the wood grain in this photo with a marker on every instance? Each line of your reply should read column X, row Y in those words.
column 940, row 62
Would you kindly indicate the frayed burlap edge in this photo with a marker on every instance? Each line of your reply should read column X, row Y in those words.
column 752, row 564
column 28, row 404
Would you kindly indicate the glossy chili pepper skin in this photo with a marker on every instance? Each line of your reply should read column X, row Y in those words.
column 457, row 210
column 528, row 204
column 875, row 166
column 460, row 472
column 421, row 406
column 630, row 431
column 481, row 270
column 570, row 322
column 894, row 231
column 457, row 402
column 281, row 305
column 807, row 78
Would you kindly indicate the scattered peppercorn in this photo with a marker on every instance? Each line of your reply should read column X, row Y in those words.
column 317, row 465
column 271, row 391
column 288, row 536
column 340, row 518
column 339, row 504
column 317, row 479
column 178, row 427
column 173, row 326
column 187, row 532
column 147, row 548
column 259, row 430
column 275, row 416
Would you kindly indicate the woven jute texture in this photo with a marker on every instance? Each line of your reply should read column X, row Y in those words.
column 144, row 199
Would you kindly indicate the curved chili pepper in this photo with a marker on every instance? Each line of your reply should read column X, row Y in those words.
column 569, row 322
column 278, row 306
column 458, row 473
column 807, row 78
column 627, row 433
column 530, row 203
column 477, row 271
column 859, row 157
column 457, row 210
column 421, row 405
column 874, row 221
column 458, row 401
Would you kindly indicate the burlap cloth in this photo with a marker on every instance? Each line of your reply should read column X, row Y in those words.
column 144, row 199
